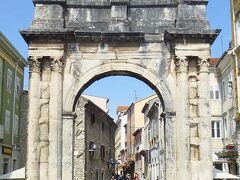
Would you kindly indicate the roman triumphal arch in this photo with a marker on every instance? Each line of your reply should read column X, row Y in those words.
column 165, row 43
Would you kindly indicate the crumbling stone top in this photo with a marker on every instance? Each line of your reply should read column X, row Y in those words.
column 102, row 17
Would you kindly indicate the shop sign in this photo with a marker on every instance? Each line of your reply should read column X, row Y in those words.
column 7, row 150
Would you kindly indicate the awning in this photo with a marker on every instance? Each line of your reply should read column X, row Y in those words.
column 217, row 174
column 17, row 174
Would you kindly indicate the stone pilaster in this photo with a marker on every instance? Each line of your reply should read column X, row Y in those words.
column 67, row 146
column 182, row 120
column 55, row 119
column 170, row 148
column 205, row 121
column 32, row 163
column 44, row 119
column 194, row 117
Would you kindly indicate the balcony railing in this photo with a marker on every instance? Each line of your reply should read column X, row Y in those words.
column 230, row 152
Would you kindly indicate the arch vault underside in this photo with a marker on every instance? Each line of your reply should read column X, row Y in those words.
column 74, row 43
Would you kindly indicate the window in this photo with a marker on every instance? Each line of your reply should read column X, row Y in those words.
column 92, row 148
column 5, row 165
column 9, row 81
column 230, row 85
column 103, row 125
column 233, row 124
column 93, row 118
column 225, row 127
column 7, row 122
column 97, row 174
column 237, row 30
column 14, row 164
column 92, row 145
column 18, row 87
column 16, row 124
column 102, row 152
column 214, row 93
column 216, row 129
column 138, row 157
column 102, row 175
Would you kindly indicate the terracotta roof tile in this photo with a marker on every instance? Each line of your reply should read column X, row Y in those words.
column 121, row 108
column 214, row 61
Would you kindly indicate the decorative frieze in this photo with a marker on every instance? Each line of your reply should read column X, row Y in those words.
column 35, row 64
column 203, row 65
column 56, row 64
column 181, row 64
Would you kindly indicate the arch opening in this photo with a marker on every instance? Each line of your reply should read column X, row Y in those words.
column 119, row 73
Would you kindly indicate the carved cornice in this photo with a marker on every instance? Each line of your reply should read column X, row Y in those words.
column 35, row 64
column 203, row 65
column 181, row 64
column 56, row 63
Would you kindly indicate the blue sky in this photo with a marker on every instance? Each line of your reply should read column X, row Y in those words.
column 17, row 14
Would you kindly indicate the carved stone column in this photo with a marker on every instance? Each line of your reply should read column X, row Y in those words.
column 170, row 142
column 205, row 121
column 67, row 147
column 44, row 119
column 182, row 120
column 55, row 120
column 32, row 166
column 194, row 117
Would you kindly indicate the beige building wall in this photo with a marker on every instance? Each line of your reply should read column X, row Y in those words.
column 226, row 70
column 94, row 142
column 216, row 110
column 135, row 121
column 99, row 101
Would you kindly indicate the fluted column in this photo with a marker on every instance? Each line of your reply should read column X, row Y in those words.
column 32, row 166
column 182, row 120
column 194, row 117
column 67, row 147
column 55, row 120
column 44, row 119
column 205, row 121
column 170, row 142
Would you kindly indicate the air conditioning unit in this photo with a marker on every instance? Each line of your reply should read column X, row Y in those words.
column 1, row 131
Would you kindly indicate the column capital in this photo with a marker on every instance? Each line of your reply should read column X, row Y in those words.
column 181, row 64
column 35, row 64
column 56, row 63
column 203, row 64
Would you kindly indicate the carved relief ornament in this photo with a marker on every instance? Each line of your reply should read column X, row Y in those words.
column 181, row 64
column 35, row 64
column 56, row 64
column 203, row 65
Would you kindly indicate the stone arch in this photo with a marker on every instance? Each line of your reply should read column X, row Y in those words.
column 119, row 69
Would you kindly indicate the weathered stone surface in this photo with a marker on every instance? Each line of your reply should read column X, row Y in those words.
column 156, row 41
column 148, row 16
column 23, row 129
column 101, row 133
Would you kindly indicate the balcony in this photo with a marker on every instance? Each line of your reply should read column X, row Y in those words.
column 230, row 152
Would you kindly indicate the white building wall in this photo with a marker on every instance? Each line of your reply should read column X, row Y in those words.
column 99, row 101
